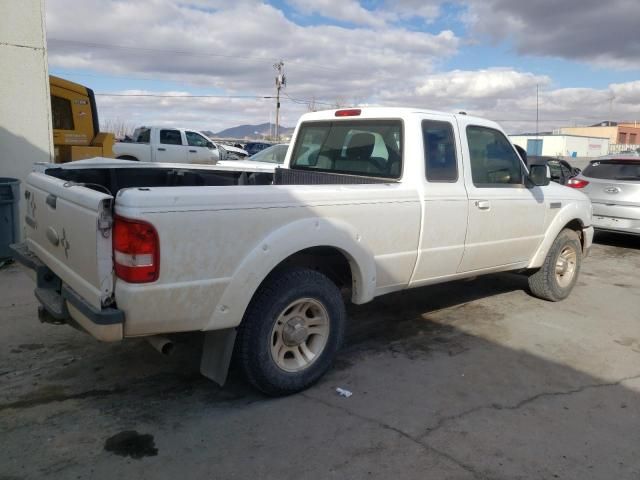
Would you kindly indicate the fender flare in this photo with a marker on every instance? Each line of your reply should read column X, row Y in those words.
column 573, row 211
column 280, row 245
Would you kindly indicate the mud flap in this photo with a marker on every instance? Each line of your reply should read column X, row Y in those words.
column 216, row 354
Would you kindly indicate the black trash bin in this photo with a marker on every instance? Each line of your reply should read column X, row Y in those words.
column 9, row 221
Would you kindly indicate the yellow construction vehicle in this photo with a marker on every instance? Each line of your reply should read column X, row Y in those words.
column 76, row 131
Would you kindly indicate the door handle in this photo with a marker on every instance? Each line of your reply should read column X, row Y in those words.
column 193, row 151
column 483, row 204
column 162, row 149
column 52, row 200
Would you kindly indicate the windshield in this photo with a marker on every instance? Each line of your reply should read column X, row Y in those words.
column 273, row 154
column 613, row 170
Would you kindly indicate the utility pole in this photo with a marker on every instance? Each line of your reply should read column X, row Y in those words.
column 281, row 81
column 537, row 109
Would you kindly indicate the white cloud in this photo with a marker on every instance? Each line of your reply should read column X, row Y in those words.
column 487, row 84
column 229, row 48
column 604, row 33
column 343, row 10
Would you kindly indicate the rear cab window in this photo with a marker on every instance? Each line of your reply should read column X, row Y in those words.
column 370, row 148
column 624, row 169
column 142, row 135
column 441, row 164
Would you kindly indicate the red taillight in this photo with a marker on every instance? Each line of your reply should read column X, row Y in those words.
column 577, row 183
column 351, row 112
column 136, row 251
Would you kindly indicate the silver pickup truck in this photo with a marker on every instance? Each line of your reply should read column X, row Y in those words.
column 369, row 201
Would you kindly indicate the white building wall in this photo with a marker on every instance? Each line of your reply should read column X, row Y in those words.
column 25, row 105
column 588, row 146
column 566, row 145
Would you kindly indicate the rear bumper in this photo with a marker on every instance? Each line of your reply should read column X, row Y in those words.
column 616, row 218
column 615, row 224
column 61, row 304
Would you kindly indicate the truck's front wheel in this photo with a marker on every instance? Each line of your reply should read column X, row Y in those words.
column 291, row 331
column 559, row 272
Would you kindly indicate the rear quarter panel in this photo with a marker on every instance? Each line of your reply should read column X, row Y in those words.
column 141, row 151
column 217, row 244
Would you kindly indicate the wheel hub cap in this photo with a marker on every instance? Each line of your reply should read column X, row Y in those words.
column 294, row 332
column 299, row 334
column 566, row 266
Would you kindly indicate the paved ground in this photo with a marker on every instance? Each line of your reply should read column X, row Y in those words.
column 464, row 380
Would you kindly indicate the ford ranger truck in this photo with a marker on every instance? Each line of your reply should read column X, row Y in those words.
column 369, row 201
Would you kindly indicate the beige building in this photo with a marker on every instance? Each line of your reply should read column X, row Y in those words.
column 617, row 133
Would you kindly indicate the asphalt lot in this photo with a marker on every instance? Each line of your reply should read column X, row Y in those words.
column 463, row 380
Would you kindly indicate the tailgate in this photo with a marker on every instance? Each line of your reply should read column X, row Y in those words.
column 68, row 227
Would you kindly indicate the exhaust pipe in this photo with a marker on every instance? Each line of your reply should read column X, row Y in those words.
column 161, row 344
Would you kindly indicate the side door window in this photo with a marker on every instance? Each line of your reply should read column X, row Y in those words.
column 170, row 137
column 441, row 164
column 494, row 162
column 196, row 140
column 555, row 168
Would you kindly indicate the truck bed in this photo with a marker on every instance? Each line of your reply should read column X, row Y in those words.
column 111, row 178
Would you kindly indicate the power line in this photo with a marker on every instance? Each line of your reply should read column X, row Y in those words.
column 160, row 95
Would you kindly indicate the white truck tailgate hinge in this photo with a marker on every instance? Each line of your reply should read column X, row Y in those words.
column 105, row 218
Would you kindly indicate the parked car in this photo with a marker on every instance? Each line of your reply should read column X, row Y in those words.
column 613, row 184
column 173, row 145
column 254, row 147
column 561, row 170
column 369, row 201
column 272, row 154
column 230, row 152
column 267, row 160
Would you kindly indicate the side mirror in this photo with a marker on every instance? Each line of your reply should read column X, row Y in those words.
column 211, row 146
column 539, row 175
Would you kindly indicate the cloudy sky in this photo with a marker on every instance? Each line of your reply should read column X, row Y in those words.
column 207, row 64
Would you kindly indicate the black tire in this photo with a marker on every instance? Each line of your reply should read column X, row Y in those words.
column 255, row 333
column 127, row 157
column 544, row 282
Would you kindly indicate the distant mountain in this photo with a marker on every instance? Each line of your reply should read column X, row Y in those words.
column 249, row 131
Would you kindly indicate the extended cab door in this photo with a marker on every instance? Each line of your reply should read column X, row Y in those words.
column 444, row 202
column 169, row 147
column 201, row 149
column 506, row 218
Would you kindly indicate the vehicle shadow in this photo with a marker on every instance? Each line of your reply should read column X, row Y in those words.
column 617, row 240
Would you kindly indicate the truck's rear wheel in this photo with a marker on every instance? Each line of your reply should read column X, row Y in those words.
column 559, row 272
column 291, row 331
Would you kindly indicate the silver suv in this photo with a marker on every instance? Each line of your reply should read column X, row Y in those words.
column 613, row 185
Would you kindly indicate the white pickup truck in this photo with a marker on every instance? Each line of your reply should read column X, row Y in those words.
column 174, row 145
column 369, row 201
